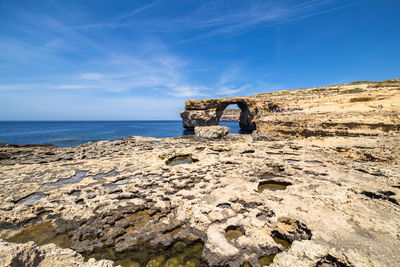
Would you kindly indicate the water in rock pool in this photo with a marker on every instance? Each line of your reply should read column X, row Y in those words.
column 233, row 232
column 31, row 199
column 41, row 234
column 72, row 133
column 79, row 176
column 272, row 185
column 285, row 243
column 178, row 160
column 178, row 253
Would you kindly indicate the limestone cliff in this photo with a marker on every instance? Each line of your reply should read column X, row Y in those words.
column 359, row 108
column 231, row 115
column 267, row 199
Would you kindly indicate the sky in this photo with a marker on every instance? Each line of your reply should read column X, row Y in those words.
column 140, row 60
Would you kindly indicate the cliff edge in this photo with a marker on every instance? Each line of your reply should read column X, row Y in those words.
column 353, row 109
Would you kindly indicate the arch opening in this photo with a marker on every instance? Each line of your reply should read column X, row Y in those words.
column 236, row 116
column 208, row 112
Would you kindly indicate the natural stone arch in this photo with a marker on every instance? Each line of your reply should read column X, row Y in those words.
column 207, row 112
column 246, row 117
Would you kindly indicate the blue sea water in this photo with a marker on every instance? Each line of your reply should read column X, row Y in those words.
column 73, row 133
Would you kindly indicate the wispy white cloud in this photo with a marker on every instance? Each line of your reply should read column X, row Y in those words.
column 185, row 91
column 92, row 76
column 22, row 86
column 53, row 43
column 221, row 19
column 232, row 90
column 216, row 18
column 101, row 25
column 139, row 53
column 258, row 14
column 230, row 74
column 86, row 63
column 164, row 74
column 138, row 10
column 232, row 80
column 71, row 86
column 118, row 21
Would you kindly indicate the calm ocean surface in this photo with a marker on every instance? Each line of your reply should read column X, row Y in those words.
column 72, row 133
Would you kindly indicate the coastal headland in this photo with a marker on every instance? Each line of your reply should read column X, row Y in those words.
column 316, row 183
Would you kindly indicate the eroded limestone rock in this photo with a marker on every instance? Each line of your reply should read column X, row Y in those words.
column 340, row 200
column 211, row 132
column 175, row 199
column 208, row 112
column 355, row 109
column 31, row 255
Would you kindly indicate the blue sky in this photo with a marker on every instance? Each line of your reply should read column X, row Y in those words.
column 130, row 60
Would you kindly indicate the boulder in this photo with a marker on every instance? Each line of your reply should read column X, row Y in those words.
column 211, row 132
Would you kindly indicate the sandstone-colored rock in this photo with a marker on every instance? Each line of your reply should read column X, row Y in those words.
column 208, row 112
column 340, row 206
column 211, row 132
column 343, row 191
column 192, row 118
column 32, row 255
column 355, row 109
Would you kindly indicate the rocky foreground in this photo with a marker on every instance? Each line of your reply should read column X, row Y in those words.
column 305, row 189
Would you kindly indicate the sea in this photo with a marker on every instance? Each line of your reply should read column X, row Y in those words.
column 73, row 133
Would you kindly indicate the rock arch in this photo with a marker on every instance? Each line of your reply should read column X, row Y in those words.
column 207, row 112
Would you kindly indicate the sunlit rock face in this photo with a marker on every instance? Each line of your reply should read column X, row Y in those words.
column 211, row 132
column 321, row 188
column 354, row 109
column 208, row 112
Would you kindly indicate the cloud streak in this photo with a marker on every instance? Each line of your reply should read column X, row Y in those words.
column 138, row 10
column 125, row 74
column 261, row 17
column 222, row 19
column 151, row 51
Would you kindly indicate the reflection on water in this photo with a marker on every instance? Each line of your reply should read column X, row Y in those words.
column 41, row 234
column 272, row 185
column 233, row 232
column 104, row 175
column 179, row 253
column 181, row 159
column 31, row 199
column 286, row 244
column 266, row 260
column 79, row 176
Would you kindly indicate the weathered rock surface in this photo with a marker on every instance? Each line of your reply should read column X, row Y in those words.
column 337, row 204
column 360, row 108
column 31, row 255
column 211, row 132
column 341, row 204
column 208, row 112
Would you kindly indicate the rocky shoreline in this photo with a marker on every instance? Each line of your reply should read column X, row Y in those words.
column 278, row 197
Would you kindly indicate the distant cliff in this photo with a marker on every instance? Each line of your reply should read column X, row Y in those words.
column 230, row 115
